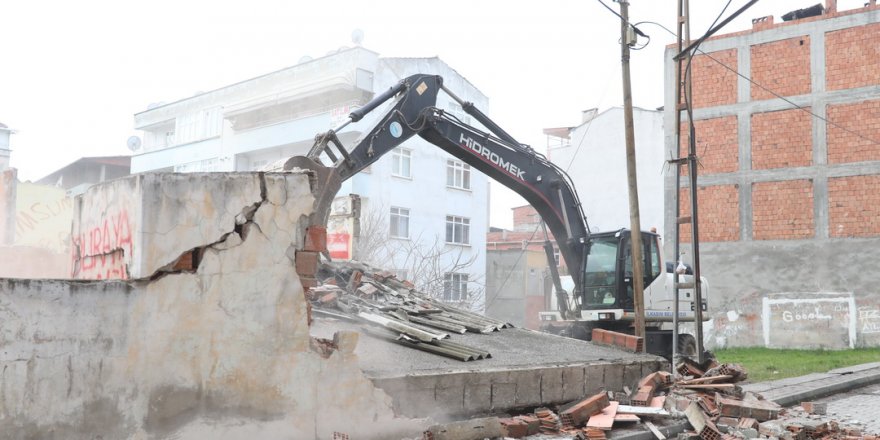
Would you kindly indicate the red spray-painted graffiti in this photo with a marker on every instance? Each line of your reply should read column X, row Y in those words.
column 99, row 251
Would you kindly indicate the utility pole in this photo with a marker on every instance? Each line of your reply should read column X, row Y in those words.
column 627, row 38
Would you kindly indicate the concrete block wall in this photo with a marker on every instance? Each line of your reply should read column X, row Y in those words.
column 221, row 350
column 456, row 394
column 786, row 199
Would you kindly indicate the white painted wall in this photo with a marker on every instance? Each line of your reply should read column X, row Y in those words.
column 596, row 162
column 425, row 194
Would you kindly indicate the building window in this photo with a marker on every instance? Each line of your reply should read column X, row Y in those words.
column 399, row 222
column 455, row 287
column 556, row 256
column 458, row 174
column 458, row 229
column 401, row 162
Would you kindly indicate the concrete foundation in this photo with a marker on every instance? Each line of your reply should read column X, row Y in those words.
column 527, row 369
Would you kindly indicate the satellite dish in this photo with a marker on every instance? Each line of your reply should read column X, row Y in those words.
column 134, row 143
column 304, row 59
column 357, row 36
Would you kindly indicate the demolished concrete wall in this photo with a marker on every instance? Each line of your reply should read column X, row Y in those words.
column 135, row 227
column 218, row 350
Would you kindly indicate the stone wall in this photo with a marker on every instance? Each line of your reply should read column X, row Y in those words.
column 215, row 348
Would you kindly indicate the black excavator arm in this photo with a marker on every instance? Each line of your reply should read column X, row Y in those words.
column 497, row 154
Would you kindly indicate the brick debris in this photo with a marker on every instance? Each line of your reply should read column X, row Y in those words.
column 394, row 310
column 706, row 395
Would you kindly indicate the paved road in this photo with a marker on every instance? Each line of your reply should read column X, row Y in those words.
column 861, row 405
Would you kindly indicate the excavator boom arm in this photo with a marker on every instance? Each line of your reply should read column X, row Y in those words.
column 544, row 185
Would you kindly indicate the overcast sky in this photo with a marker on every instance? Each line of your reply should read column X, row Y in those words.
column 74, row 73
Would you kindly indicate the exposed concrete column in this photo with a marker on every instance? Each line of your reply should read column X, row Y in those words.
column 744, row 67
column 819, row 130
column 744, row 140
column 820, row 161
column 817, row 60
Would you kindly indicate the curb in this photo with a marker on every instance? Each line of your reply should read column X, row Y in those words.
column 858, row 378
column 833, row 388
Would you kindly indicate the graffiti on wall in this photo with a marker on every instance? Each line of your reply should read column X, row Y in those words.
column 869, row 319
column 810, row 320
column 42, row 217
column 99, row 251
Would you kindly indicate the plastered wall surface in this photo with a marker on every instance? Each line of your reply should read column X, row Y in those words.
column 804, row 294
column 220, row 351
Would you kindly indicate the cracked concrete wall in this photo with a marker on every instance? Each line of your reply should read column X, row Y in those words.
column 222, row 351
column 130, row 228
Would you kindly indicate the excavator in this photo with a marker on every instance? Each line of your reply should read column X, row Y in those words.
column 599, row 263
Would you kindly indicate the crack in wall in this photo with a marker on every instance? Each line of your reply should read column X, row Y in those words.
column 243, row 221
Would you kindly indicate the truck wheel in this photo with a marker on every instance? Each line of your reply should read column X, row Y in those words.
column 687, row 345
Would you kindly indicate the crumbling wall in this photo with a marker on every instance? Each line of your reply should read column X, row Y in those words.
column 134, row 227
column 219, row 349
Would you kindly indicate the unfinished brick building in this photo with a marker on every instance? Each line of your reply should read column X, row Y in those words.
column 789, row 201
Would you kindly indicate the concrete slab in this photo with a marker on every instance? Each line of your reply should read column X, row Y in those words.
column 527, row 369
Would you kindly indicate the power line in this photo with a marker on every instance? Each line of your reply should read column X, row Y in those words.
column 638, row 31
column 774, row 93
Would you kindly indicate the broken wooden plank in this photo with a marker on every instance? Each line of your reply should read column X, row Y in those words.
column 641, row 410
column 705, row 379
column 656, row 431
column 707, row 386
column 627, row 418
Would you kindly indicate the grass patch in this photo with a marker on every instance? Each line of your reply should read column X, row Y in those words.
column 770, row 364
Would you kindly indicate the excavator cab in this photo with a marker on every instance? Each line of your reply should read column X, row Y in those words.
column 608, row 282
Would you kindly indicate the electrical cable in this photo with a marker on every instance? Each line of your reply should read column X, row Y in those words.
column 719, row 16
column 772, row 92
column 638, row 31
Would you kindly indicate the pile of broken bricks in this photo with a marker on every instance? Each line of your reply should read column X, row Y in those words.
column 592, row 417
column 732, row 414
column 394, row 310
column 706, row 395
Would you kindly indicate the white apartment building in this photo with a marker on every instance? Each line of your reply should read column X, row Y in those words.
column 594, row 154
column 426, row 211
